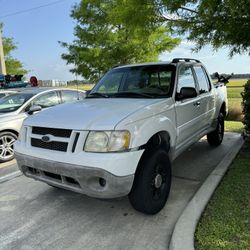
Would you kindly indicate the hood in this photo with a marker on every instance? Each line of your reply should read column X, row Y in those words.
column 90, row 114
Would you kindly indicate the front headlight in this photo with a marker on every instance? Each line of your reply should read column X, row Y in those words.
column 107, row 141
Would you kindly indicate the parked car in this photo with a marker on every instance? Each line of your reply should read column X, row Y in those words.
column 122, row 138
column 15, row 107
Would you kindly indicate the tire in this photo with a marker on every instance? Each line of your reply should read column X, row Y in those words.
column 215, row 138
column 7, row 140
column 152, row 182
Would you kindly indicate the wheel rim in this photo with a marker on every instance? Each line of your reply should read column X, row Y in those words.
column 7, row 147
column 159, row 181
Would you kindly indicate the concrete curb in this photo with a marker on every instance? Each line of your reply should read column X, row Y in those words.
column 10, row 176
column 183, row 233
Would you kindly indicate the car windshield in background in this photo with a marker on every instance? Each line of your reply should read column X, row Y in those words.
column 135, row 82
column 13, row 102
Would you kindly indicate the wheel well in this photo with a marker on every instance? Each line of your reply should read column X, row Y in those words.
column 11, row 131
column 223, row 109
column 160, row 139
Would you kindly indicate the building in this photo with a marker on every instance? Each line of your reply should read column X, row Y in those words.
column 52, row 83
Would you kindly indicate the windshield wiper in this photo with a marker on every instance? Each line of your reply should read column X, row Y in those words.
column 97, row 94
column 132, row 94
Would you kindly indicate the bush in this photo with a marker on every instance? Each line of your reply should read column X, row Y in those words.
column 246, row 106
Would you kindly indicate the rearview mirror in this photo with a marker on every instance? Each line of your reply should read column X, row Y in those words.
column 33, row 109
column 186, row 93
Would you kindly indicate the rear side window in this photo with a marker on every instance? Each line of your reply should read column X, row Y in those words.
column 71, row 96
column 202, row 79
column 185, row 78
column 47, row 100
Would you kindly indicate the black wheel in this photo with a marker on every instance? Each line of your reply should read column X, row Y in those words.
column 215, row 138
column 152, row 182
column 7, row 140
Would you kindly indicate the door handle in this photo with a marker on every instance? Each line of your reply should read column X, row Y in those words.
column 197, row 104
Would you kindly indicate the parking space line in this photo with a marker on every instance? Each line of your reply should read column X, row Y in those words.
column 10, row 176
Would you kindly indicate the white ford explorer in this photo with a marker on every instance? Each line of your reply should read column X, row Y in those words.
column 122, row 138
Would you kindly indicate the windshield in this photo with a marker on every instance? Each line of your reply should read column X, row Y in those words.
column 136, row 82
column 13, row 102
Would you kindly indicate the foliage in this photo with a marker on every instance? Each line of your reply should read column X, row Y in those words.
column 216, row 22
column 110, row 33
column 246, row 106
column 13, row 65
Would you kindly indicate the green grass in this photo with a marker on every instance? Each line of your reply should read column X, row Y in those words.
column 81, row 86
column 225, row 224
column 234, row 109
column 233, row 126
column 237, row 82
column 232, row 102
column 234, row 92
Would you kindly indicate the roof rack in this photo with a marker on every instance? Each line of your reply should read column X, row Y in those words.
column 176, row 60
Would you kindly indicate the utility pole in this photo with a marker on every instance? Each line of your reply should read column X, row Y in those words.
column 2, row 61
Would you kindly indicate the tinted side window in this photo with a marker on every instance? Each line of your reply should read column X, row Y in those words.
column 185, row 78
column 202, row 79
column 71, row 96
column 47, row 100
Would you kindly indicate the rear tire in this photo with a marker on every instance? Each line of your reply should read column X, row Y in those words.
column 152, row 182
column 215, row 138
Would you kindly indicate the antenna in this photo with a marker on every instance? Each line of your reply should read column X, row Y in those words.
column 78, row 97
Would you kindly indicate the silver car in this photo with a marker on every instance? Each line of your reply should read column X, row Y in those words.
column 16, row 107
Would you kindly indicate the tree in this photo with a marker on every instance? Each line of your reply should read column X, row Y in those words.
column 221, row 23
column 13, row 66
column 110, row 33
column 246, row 106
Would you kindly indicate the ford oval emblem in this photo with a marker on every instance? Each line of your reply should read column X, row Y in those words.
column 45, row 138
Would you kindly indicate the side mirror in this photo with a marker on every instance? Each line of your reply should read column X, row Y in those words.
column 33, row 109
column 186, row 93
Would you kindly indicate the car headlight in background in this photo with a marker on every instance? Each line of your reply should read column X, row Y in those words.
column 107, row 141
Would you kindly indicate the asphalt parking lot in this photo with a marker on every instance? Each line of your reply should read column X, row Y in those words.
column 34, row 215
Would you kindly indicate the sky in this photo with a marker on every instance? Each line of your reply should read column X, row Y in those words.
column 37, row 33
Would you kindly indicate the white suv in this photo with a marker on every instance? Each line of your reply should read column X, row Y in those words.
column 122, row 138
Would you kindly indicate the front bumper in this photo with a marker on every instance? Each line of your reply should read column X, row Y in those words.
column 76, row 178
